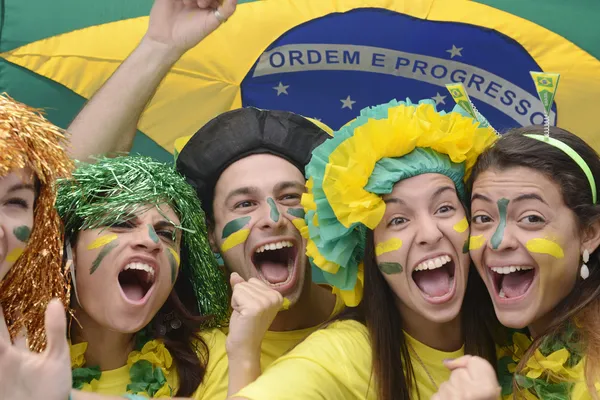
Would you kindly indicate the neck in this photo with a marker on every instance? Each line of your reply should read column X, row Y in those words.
column 314, row 306
column 106, row 348
column 445, row 336
column 540, row 325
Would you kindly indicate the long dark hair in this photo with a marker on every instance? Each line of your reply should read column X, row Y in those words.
column 390, row 351
column 582, row 305
column 189, row 351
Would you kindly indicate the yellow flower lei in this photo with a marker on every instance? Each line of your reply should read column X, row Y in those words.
column 153, row 356
column 543, row 376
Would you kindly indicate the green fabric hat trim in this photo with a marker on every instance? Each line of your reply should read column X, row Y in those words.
column 345, row 245
column 109, row 191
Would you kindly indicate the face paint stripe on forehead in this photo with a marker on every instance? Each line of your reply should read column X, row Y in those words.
column 388, row 246
column 233, row 226
column 274, row 211
column 545, row 246
column 103, row 253
column 22, row 233
column 296, row 212
column 390, row 268
column 498, row 236
column 461, row 225
column 102, row 241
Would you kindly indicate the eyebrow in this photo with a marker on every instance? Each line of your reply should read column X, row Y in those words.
column 441, row 190
column 247, row 190
column 478, row 196
column 164, row 224
column 22, row 186
column 394, row 200
column 289, row 185
column 529, row 196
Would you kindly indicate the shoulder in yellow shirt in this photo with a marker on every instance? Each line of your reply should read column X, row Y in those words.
column 335, row 363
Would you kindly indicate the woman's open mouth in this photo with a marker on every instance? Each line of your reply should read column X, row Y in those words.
column 136, row 281
column 435, row 278
column 512, row 282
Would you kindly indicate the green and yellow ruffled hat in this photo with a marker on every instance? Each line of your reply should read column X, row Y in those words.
column 349, row 173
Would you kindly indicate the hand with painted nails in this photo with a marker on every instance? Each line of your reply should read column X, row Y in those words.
column 181, row 24
column 254, row 305
column 472, row 378
column 27, row 375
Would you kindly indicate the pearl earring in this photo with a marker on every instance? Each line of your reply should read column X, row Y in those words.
column 585, row 271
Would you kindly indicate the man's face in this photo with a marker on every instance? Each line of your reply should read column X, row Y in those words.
column 256, row 209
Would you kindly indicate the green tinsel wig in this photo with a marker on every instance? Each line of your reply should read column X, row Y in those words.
column 110, row 190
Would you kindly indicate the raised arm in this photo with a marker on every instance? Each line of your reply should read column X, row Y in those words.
column 108, row 122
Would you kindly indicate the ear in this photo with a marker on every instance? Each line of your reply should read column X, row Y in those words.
column 213, row 242
column 591, row 237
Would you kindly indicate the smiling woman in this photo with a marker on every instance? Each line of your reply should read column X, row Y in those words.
column 145, row 279
column 31, row 159
column 535, row 212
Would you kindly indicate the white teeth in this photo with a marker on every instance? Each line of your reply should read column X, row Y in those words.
column 501, row 294
column 433, row 263
column 274, row 246
column 510, row 269
column 141, row 267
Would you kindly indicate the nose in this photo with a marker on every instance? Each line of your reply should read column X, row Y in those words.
column 146, row 238
column 271, row 217
column 428, row 232
column 503, row 238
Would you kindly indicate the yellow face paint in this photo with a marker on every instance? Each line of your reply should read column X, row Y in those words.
column 102, row 241
column 461, row 225
column 388, row 246
column 545, row 246
column 475, row 242
column 286, row 304
column 175, row 256
column 15, row 254
column 234, row 239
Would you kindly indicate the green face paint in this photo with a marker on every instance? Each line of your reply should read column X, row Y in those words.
column 152, row 233
column 274, row 210
column 465, row 248
column 499, row 233
column 234, row 226
column 390, row 268
column 103, row 253
column 296, row 212
column 22, row 233
column 173, row 263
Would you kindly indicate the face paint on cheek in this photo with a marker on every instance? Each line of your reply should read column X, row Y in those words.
column 388, row 246
column 545, row 246
column 103, row 253
column 174, row 261
column 296, row 212
column 102, row 241
column 152, row 234
column 499, row 233
column 274, row 211
column 14, row 255
column 234, row 234
column 476, row 242
column 461, row 225
column 465, row 248
column 22, row 233
column 390, row 268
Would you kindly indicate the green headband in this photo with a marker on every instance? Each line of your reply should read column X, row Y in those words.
column 110, row 190
column 574, row 156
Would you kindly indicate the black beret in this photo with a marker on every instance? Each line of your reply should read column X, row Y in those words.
column 240, row 133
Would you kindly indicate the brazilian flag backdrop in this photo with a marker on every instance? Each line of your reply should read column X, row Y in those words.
column 324, row 59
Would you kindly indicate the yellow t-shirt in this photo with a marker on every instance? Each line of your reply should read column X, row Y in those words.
column 335, row 363
column 274, row 345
